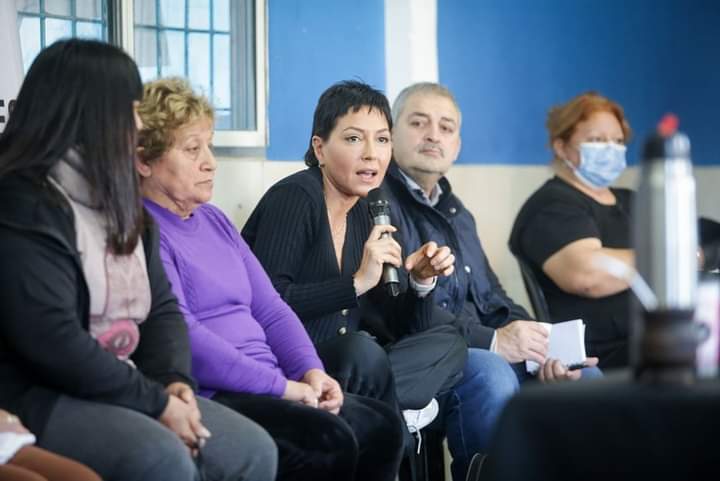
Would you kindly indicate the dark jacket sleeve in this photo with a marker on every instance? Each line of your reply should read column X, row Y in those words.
column 398, row 316
column 517, row 312
column 478, row 329
column 164, row 350
column 40, row 288
column 476, row 334
column 280, row 233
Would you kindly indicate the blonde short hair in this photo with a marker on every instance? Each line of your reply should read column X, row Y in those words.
column 167, row 105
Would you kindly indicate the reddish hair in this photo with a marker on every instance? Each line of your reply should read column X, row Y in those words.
column 562, row 119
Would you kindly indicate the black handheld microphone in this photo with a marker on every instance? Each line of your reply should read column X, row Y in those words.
column 379, row 208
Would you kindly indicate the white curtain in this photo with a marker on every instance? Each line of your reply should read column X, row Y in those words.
column 11, row 66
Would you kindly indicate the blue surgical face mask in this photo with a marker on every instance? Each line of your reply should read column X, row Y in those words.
column 601, row 163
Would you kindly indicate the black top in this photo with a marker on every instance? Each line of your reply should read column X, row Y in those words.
column 553, row 217
column 45, row 347
column 289, row 232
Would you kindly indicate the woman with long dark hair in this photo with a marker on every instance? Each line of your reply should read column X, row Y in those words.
column 94, row 352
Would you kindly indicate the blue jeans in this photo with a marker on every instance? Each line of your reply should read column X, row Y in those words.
column 473, row 405
column 591, row 373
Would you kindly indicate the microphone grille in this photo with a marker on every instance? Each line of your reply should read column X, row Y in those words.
column 375, row 195
column 377, row 203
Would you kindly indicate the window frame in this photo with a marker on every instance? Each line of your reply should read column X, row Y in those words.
column 121, row 31
column 42, row 15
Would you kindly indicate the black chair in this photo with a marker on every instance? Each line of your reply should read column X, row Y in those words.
column 534, row 291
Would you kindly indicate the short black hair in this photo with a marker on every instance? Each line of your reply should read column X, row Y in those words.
column 339, row 100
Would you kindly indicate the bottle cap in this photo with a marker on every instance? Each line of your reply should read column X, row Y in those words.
column 667, row 141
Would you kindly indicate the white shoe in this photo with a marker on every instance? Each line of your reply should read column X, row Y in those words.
column 416, row 419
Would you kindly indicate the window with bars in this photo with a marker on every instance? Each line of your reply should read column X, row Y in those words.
column 218, row 45
column 42, row 22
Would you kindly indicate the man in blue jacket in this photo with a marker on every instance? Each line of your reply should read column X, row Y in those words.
column 426, row 142
column 499, row 332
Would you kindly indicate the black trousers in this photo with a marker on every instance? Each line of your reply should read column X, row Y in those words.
column 360, row 365
column 364, row 442
column 406, row 373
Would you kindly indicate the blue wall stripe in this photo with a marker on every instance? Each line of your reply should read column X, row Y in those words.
column 508, row 61
column 313, row 44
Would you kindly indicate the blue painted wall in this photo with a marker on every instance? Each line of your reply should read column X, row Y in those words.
column 313, row 44
column 508, row 61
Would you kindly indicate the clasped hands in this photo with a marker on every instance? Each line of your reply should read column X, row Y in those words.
column 424, row 264
column 182, row 416
column 316, row 389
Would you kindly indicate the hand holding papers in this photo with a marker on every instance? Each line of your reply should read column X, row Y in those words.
column 567, row 343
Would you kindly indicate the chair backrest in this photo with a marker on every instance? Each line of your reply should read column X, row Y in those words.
column 535, row 292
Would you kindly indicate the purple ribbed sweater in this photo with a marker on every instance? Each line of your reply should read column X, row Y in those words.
column 244, row 338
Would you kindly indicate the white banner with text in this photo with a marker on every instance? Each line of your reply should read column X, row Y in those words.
column 11, row 66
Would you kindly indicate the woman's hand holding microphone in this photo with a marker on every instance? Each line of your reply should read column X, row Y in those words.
column 424, row 264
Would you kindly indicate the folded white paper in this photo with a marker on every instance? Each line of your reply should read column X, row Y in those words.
column 11, row 442
column 567, row 343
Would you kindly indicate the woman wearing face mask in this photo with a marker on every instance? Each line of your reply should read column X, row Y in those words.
column 576, row 215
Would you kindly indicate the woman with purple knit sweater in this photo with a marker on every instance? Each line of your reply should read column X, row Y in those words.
column 249, row 349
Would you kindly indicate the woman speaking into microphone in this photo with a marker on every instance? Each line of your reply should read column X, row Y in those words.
column 314, row 235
